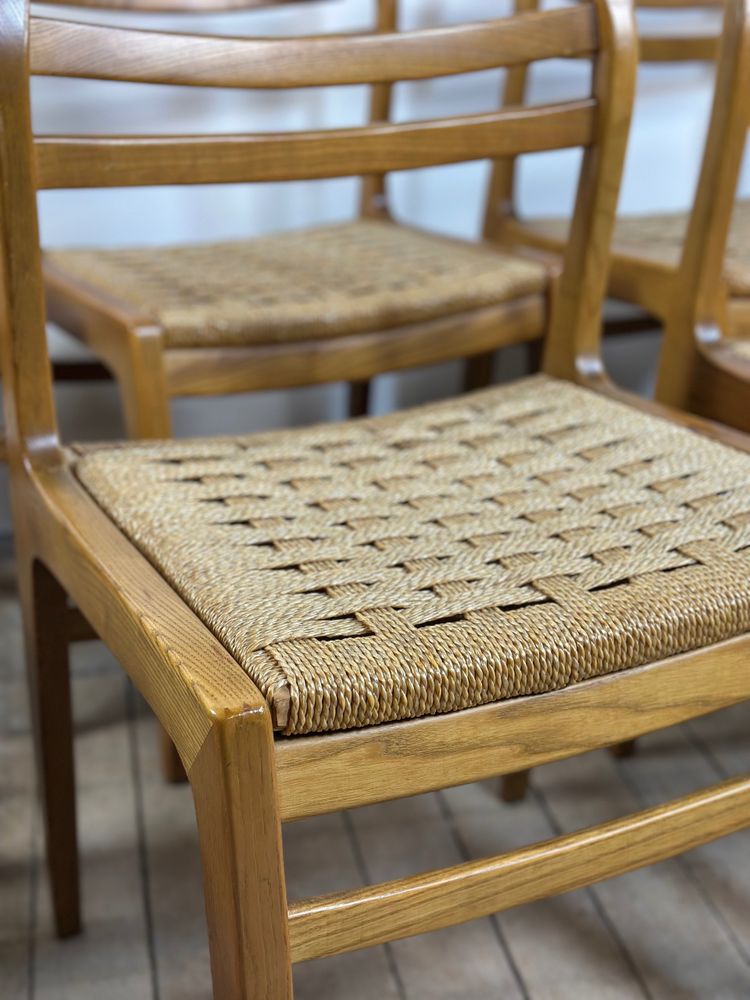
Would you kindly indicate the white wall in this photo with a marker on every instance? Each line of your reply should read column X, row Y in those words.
column 662, row 166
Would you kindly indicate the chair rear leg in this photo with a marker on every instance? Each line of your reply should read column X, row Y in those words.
column 44, row 606
column 359, row 398
column 478, row 371
column 513, row 787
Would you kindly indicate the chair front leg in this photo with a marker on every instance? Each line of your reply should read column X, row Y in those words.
column 233, row 782
column 44, row 607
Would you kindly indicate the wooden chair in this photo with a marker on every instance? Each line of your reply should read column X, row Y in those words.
column 300, row 308
column 318, row 305
column 430, row 598
column 690, row 271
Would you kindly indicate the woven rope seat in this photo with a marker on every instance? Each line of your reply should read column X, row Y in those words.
column 660, row 237
column 315, row 283
column 507, row 543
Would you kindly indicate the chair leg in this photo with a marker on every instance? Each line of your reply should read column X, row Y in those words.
column 626, row 749
column 534, row 352
column 233, row 784
column 44, row 606
column 359, row 398
column 171, row 766
column 513, row 787
column 478, row 371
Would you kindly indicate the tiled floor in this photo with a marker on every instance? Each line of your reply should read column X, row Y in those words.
column 679, row 930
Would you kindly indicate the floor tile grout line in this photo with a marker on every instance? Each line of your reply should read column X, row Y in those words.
column 685, row 865
column 364, row 874
column 596, row 902
column 465, row 855
column 140, row 819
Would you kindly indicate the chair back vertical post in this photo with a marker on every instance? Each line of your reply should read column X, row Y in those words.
column 500, row 199
column 373, row 196
column 29, row 411
column 572, row 347
column 703, row 252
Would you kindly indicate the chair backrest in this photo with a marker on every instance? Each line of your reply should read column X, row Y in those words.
column 31, row 45
column 653, row 47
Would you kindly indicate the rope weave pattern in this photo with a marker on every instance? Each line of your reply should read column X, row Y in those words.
column 660, row 238
column 351, row 278
column 510, row 542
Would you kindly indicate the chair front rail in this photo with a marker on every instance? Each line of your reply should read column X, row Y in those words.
column 206, row 371
column 404, row 907
column 320, row 774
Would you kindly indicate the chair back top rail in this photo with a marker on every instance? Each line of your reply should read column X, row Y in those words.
column 102, row 52
column 602, row 29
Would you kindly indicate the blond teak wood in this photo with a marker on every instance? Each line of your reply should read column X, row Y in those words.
column 245, row 783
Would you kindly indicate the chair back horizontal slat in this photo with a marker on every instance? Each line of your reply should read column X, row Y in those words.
column 678, row 48
column 112, row 161
column 65, row 48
